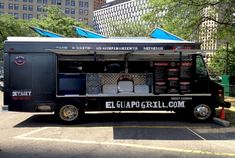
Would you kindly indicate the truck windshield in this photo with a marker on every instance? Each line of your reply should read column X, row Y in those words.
column 201, row 70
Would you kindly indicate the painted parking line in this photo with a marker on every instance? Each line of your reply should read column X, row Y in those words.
column 227, row 145
column 195, row 133
column 31, row 132
column 140, row 126
column 130, row 145
column 27, row 136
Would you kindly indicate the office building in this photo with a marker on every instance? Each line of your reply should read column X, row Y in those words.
column 207, row 33
column 119, row 13
column 81, row 10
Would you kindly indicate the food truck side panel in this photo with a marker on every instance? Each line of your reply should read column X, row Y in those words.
column 29, row 81
column 168, row 103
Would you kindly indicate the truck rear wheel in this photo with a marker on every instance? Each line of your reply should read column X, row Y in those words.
column 203, row 113
column 69, row 113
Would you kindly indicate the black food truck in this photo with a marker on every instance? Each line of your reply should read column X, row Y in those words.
column 70, row 76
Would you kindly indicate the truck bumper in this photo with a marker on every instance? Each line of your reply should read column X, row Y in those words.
column 226, row 104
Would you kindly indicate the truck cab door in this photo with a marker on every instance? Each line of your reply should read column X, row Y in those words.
column 201, row 77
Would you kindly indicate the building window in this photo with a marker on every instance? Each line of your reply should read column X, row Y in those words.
column 86, row 4
column 39, row 1
column 16, row 0
column 30, row 16
column 73, row 3
column 44, row 1
column 30, row 1
column 67, row 10
column 1, row 5
column 80, row 3
column 25, row 7
column 25, row 1
column 53, row 2
column 10, row 6
column 86, row 12
column 72, row 11
column 16, row 15
column 25, row 16
column 30, row 8
column 80, row 12
column 67, row 2
column 39, row 8
column 16, row 6
column 58, row 2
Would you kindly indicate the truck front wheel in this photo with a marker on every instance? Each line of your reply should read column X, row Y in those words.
column 203, row 113
column 69, row 113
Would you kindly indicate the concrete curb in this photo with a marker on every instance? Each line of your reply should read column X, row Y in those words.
column 221, row 122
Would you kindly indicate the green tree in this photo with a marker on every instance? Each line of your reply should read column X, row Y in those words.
column 9, row 26
column 53, row 20
column 56, row 21
column 223, row 59
column 185, row 17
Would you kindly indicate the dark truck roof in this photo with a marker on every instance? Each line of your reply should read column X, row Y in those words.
column 78, row 45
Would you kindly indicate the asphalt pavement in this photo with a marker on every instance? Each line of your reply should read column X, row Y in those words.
column 37, row 135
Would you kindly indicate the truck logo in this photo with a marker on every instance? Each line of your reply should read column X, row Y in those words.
column 20, row 60
column 21, row 95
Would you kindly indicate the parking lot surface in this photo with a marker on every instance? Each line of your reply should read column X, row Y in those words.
column 112, row 135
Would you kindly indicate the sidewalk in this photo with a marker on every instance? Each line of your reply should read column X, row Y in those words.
column 230, row 99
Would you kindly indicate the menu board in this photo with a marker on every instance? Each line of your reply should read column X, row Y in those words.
column 160, row 87
column 173, row 72
column 185, row 87
column 173, row 77
column 161, row 71
column 186, row 70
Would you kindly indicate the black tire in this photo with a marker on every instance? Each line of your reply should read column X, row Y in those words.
column 69, row 113
column 202, row 113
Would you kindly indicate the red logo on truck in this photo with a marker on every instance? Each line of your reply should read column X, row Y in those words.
column 20, row 60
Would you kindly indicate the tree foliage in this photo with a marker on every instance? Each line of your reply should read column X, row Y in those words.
column 185, row 17
column 56, row 21
column 53, row 20
column 9, row 26
column 223, row 59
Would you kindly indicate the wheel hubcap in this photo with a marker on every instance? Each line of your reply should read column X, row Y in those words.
column 202, row 112
column 68, row 113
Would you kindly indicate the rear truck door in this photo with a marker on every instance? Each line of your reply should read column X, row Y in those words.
column 20, row 83
column 31, row 81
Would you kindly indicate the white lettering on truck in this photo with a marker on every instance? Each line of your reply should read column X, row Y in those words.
column 143, row 104
column 21, row 93
column 176, row 104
